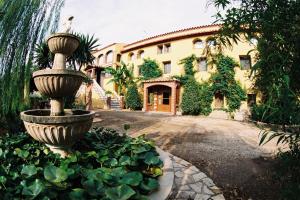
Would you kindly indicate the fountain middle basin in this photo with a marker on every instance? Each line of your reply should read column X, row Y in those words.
column 58, row 132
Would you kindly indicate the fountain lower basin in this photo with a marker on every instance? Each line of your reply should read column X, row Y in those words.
column 58, row 132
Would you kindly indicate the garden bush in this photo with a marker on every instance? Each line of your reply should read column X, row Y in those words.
column 190, row 104
column 104, row 165
column 132, row 98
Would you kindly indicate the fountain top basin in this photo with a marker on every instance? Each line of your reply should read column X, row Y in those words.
column 42, row 116
column 64, row 43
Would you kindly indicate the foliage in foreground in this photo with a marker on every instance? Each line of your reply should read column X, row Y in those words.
column 23, row 24
column 132, row 98
column 105, row 165
column 288, row 173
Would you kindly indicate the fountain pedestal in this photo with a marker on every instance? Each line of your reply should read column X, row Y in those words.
column 58, row 128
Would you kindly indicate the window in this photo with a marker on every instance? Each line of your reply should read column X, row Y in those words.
column 167, row 67
column 166, row 98
column 211, row 43
column 109, row 57
column 159, row 49
column 131, row 57
column 140, row 70
column 198, row 44
column 251, row 99
column 119, row 58
column 141, row 54
column 202, row 64
column 101, row 59
column 167, row 48
column 245, row 62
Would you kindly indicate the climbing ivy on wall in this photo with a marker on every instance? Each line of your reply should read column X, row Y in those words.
column 222, row 81
column 188, row 65
column 150, row 69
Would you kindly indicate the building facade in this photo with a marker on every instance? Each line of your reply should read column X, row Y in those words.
column 164, row 93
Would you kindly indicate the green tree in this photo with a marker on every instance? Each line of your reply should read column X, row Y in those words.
column 222, row 81
column 275, row 26
column 205, row 98
column 150, row 69
column 132, row 98
column 23, row 24
column 122, row 76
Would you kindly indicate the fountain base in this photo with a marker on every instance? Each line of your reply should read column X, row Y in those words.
column 58, row 132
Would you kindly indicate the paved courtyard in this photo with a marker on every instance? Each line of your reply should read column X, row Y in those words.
column 227, row 151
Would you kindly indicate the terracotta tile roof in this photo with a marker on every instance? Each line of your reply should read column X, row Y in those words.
column 198, row 30
column 161, row 79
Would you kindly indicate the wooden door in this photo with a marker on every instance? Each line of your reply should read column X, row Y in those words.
column 164, row 100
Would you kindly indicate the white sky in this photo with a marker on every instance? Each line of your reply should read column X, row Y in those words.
column 130, row 20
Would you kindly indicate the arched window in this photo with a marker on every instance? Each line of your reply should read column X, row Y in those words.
column 109, row 57
column 141, row 54
column 211, row 42
column 198, row 44
column 131, row 56
column 119, row 57
column 100, row 59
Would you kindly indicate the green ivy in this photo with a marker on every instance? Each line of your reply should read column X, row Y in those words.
column 223, row 82
column 188, row 65
column 150, row 69
column 104, row 165
column 190, row 104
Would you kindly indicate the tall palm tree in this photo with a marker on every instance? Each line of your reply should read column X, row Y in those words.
column 122, row 76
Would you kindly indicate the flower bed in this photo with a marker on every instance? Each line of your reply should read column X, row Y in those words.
column 104, row 165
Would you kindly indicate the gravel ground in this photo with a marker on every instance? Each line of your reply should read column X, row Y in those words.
column 225, row 150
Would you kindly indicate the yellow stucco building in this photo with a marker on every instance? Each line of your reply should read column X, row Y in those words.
column 168, row 49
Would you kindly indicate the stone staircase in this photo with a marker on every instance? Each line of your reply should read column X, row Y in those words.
column 115, row 105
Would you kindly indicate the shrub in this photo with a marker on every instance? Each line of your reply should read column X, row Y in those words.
column 104, row 165
column 133, row 98
column 190, row 104
column 150, row 69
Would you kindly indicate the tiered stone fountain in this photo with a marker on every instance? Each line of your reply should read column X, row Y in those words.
column 59, row 128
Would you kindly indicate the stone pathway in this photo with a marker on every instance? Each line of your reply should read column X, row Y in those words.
column 191, row 184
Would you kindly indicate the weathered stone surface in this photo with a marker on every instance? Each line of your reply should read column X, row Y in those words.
column 218, row 197
column 208, row 182
column 202, row 197
column 191, row 183
column 197, row 177
column 197, row 187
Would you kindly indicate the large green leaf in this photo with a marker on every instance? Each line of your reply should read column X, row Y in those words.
column 150, row 184
column 124, row 160
column 55, row 174
column 34, row 189
column 122, row 192
column 93, row 187
column 77, row 194
column 29, row 170
column 151, row 159
column 132, row 178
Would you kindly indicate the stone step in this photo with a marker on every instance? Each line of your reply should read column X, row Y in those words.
column 219, row 114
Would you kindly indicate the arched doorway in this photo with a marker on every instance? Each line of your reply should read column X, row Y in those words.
column 159, row 98
column 219, row 100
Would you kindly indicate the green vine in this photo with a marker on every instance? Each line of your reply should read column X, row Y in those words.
column 150, row 69
column 188, row 65
column 223, row 82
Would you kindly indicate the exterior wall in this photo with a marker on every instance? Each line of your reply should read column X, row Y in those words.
column 184, row 48
column 182, row 45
